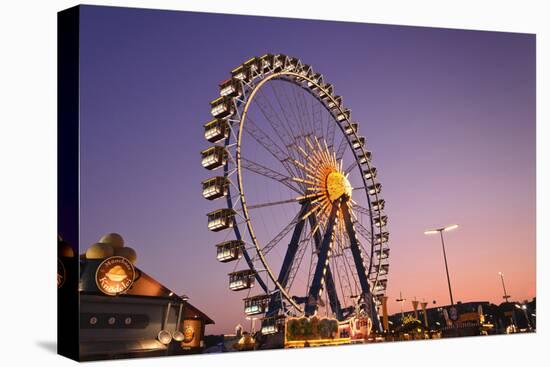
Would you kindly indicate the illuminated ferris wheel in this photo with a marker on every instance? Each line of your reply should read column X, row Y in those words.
column 303, row 220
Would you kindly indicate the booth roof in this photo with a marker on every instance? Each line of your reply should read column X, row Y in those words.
column 143, row 286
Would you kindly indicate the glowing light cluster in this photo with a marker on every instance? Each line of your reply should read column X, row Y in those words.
column 325, row 182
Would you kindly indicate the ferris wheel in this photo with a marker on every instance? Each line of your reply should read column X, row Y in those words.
column 303, row 220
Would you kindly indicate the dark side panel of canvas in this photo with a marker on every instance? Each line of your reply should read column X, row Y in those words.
column 67, row 178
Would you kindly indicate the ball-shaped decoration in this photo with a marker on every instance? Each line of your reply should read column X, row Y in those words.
column 113, row 239
column 99, row 251
column 127, row 252
column 64, row 249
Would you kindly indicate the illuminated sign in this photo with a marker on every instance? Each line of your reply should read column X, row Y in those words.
column 191, row 333
column 115, row 275
column 360, row 327
column 188, row 334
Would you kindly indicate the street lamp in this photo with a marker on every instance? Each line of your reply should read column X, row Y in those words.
column 401, row 300
column 506, row 296
column 440, row 231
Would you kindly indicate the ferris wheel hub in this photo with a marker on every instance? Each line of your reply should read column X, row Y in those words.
column 338, row 185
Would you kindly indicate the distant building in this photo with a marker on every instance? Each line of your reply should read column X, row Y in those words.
column 475, row 318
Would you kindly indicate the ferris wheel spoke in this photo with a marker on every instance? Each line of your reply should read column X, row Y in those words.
column 358, row 208
column 300, row 257
column 278, row 127
column 302, row 102
column 287, row 118
column 299, row 113
column 350, row 167
column 268, row 144
column 296, row 111
column 342, row 148
column 285, row 113
column 269, row 173
column 359, row 228
column 272, row 203
column 286, row 230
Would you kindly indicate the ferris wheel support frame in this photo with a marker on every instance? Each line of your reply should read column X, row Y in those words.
column 329, row 280
column 322, row 262
column 360, row 266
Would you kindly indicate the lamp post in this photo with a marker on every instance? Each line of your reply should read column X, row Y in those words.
column 506, row 296
column 401, row 300
column 440, row 231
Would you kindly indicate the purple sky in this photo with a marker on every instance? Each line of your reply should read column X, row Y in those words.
column 448, row 114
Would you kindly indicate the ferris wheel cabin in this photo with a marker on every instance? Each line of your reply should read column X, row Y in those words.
column 229, row 250
column 374, row 189
column 252, row 64
column 382, row 254
column 369, row 173
column 327, row 90
column 350, row 129
column 221, row 219
column 272, row 325
column 230, row 88
column 358, row 142
column 265, row 62
column 278, row 62
column 381, row 238
column 245, row 72
column 215, row 187
column 214, row 157
column 378, row 205
column 343, row 115
column 380, row 221
column 380, row 286
column 216, row 130
column 384, row 269
column 292, row 64
column 365, row 157
column 305, row 72
column 336, row 103
column 222, row 107
column 242, row 279
column 317, row 78
column 256, row 305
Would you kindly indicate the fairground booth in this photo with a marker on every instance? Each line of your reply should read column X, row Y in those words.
column 126, row 313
